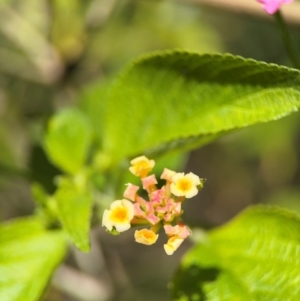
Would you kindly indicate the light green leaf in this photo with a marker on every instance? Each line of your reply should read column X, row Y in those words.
column 68, row 139
column 255, row 258
column 74, row 204
column 28, row 256
column 92, row 103
column 175, row 98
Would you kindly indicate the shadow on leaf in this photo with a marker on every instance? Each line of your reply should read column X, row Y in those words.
column 188, row 282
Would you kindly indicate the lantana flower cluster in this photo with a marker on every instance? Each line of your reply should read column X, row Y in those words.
column 163, row 209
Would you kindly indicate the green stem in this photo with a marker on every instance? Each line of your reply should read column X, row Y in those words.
column 139, row 221
column 287, row 40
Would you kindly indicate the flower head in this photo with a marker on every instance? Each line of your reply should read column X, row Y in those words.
column 141, row 166
column 272, row 6
column 145, row 237
column 161, row 208
column 185, row 185
column 119, row 216
column 173, row 244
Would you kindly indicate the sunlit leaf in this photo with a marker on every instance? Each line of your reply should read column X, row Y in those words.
column 74, row 205
column 92, row 102
column 174, row 99
column 68, row 139
column 254, row 257
column 28, row 256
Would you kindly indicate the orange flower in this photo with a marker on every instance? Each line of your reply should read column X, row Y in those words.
column 145, row 236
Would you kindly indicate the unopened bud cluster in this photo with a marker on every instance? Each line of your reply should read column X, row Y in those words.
column 163, row 209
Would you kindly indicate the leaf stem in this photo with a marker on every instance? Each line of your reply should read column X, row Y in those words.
column 287, row 40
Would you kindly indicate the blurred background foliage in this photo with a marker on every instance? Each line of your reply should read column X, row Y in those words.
column 52, row 50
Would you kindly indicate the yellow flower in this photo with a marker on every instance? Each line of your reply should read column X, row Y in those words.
column 141, row 166
column 145, row 236
column 173, row 244
column 119, row 216
column 185, row 185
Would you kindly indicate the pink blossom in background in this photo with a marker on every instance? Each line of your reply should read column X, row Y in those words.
column 272, row 6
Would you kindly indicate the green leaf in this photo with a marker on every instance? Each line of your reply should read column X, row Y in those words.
column 254, row 257
column 92, row 103
column 68, row 139
column 174, row 96
column 74, row 204
column 28, row 256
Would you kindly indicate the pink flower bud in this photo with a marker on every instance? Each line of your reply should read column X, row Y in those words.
column 149, row 182
column 156, row 197
column 168, row 217
column 138, row 212
column 130, row 192
column 182, row 231
column 152, row 218
column 167, row 174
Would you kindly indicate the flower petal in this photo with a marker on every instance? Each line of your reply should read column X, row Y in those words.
column 122, row 227
column 145, row 236
column 173, row 244
column 106, row 222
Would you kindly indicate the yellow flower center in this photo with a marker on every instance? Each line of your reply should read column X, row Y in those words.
column 148, row 234
column 142, row 166
column 184, row 185
column 145, row 236
column 119, row 214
